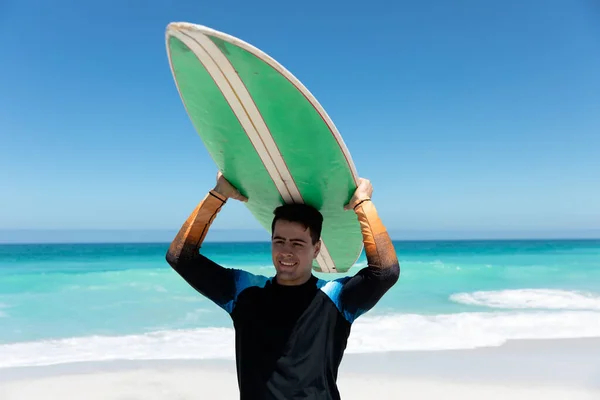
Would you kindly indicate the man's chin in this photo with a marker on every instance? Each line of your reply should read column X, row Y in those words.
column 291, row 276
column 287, row 273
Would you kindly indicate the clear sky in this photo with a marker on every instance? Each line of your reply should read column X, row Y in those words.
column 466, row 115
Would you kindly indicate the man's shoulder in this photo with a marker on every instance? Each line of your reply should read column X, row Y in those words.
column 333, row 288
column 245, row 279
column 321, row 283
column 245, row 282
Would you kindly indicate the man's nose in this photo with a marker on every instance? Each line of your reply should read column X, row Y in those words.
column 287, row 248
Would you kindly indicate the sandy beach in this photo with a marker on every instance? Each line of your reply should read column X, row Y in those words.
column 548, row 369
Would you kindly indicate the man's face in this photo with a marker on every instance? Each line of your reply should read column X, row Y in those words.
column 293, row 252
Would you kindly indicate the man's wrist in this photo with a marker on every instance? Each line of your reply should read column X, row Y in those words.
column 360, row 202
column 216, row 193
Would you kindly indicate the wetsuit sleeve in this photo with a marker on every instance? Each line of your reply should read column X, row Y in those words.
column 361, row 292
column 219, row 284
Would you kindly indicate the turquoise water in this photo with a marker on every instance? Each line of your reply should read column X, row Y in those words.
column 102, row 301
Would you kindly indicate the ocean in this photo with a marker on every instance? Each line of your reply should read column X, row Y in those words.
column 89, row 302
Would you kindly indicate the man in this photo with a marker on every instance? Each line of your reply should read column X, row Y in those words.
column 291, row 330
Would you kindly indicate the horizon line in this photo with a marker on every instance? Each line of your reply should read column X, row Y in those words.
column 250, row 235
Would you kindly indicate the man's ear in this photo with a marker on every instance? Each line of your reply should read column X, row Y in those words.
column 317, row 249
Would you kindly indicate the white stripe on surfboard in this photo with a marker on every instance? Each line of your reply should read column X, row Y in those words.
column 248, row 117
column 230, row 96
column 324, row 258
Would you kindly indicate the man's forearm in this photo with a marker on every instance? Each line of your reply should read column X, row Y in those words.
column 187, row 243
column 362, row 291
column 379, row 248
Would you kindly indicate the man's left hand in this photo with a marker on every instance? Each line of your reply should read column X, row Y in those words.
column 364, row 191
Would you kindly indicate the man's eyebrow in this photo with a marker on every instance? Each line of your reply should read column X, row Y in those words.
column 291, row 240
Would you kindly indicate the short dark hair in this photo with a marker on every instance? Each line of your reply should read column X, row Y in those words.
column 303, row 214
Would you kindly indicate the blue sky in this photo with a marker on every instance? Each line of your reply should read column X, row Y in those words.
column 467, row 116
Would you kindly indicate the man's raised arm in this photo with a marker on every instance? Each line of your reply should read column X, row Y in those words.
column 184, row 249
column 207, row 277
column 362, row 291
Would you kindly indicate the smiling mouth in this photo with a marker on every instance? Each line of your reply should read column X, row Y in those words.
column 287, row 264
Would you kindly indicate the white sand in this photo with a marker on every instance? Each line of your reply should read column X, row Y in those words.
column 199, row 383
column 550, row 370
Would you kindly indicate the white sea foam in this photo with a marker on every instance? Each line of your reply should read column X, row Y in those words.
column 550, row 299
column 468, row 330
column 397, row 332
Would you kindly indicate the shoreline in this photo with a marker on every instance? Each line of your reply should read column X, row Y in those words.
column 550, row 368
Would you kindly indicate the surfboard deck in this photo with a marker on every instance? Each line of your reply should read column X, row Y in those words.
column 267, row 134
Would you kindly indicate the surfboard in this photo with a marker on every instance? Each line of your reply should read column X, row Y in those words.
column 267, row 134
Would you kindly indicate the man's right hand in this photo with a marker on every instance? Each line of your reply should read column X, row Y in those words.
column 226, row 189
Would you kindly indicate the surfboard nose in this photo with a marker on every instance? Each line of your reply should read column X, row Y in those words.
column 179, row 26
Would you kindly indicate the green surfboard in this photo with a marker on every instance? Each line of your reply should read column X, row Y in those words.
column 267, row 134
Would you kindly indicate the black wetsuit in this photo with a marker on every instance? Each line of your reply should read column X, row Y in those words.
column 289, row 339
